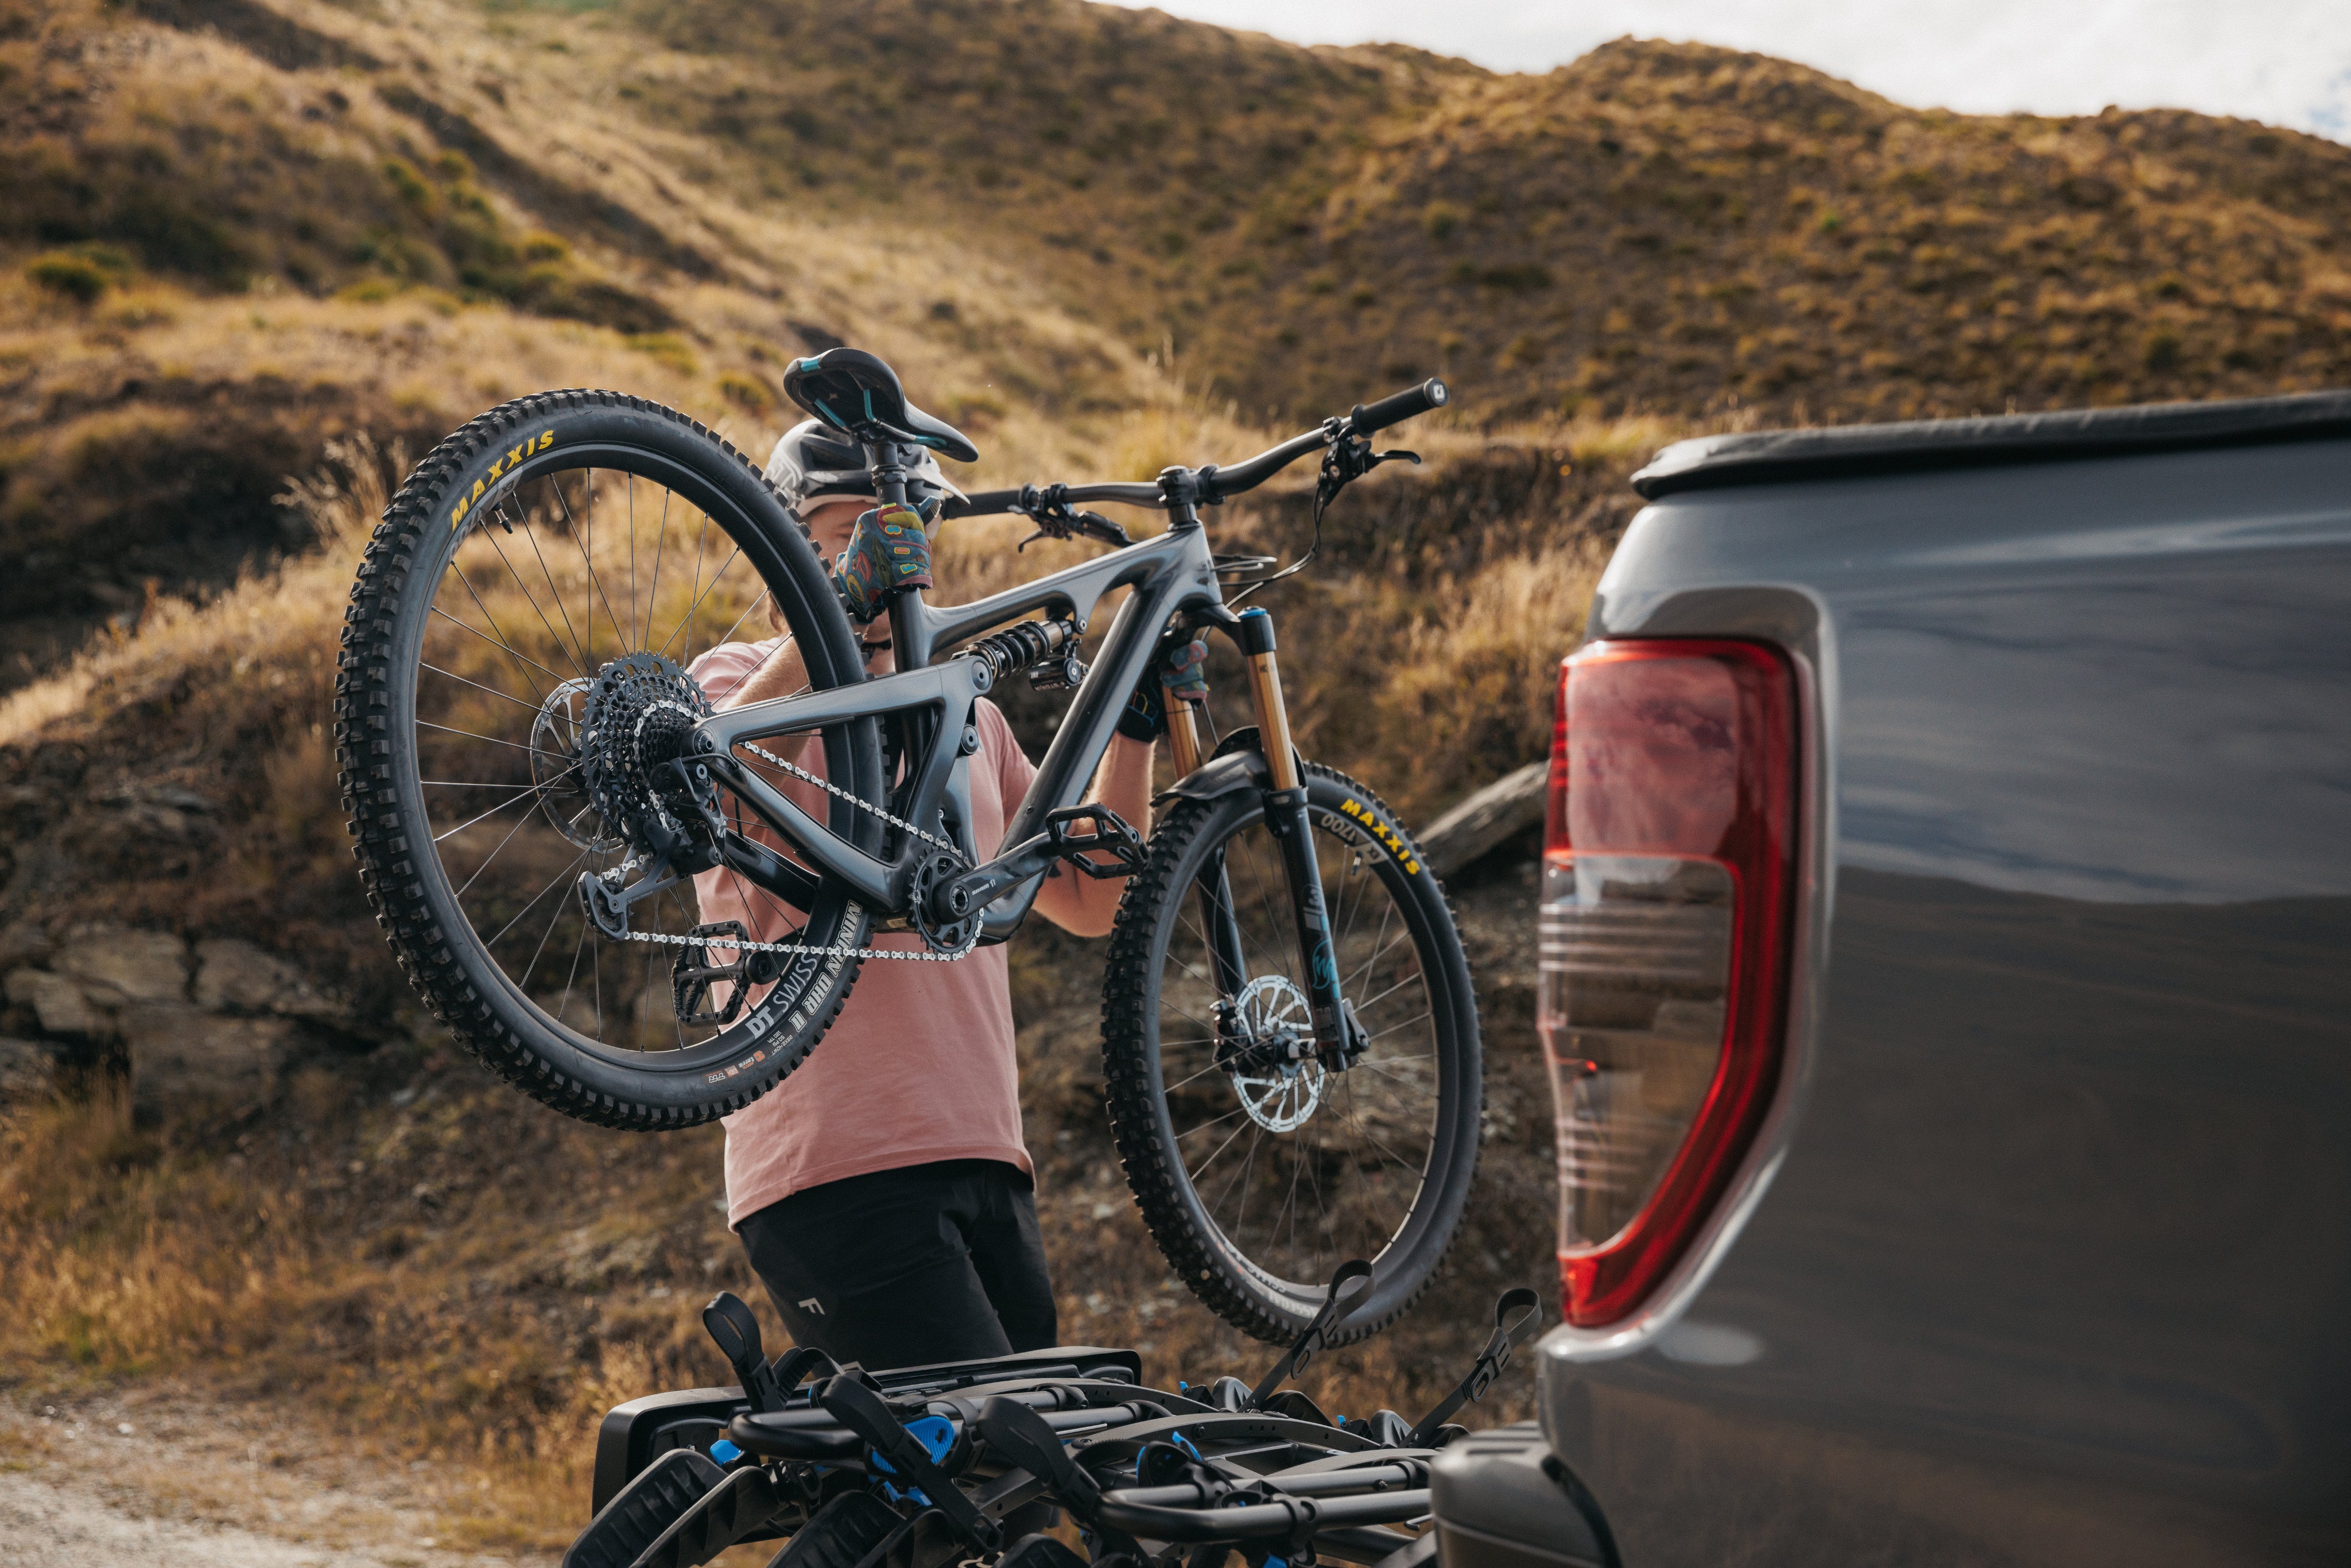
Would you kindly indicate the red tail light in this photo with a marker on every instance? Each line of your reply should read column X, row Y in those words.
column 1668, row 880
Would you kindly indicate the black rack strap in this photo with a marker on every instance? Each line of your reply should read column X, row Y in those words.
column 1515, row 1317
column 1348, row 1286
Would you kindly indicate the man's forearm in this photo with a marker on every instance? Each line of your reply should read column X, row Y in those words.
column 782, row 674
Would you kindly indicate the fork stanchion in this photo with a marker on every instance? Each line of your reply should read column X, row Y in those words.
column 1182, row 734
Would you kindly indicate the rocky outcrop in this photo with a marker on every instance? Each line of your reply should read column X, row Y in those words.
column 215, row 1022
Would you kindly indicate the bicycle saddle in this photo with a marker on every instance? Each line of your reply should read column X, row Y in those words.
column 855, row 391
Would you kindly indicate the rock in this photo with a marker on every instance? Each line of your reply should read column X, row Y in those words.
column 29, row 1070
column 24, row 943
column 118, row 967
column 234, row 976
column 180, row 1055
column 57, row 1001
column 1502, row 810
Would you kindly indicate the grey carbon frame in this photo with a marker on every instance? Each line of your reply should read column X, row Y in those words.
column 1168, row 574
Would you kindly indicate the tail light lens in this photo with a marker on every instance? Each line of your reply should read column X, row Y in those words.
column 1667, row 897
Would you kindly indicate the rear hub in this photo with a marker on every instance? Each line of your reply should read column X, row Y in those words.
column 638, row 716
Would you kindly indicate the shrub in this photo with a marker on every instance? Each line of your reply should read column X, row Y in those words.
column 1517, row 277
column 746, row 392
column 81, row 274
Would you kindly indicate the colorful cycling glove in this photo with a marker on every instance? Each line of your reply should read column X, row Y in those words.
column 1183, row 675
column 1186, row 675
column 889, row 551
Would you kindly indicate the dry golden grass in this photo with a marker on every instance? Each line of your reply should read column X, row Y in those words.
column 313, row 247
column 468, row 1277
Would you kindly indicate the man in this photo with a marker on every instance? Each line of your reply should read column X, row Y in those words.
column 883, row 1190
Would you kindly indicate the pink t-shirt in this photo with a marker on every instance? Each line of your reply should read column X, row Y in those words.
column 920, row 1064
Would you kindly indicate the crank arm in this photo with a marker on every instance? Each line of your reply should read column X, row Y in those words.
column 976, row 890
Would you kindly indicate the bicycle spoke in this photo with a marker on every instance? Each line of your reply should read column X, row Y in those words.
column 584, row 536
column 695, row 607
column 501, row 806
column 496, row 642
column 556, row 882
column 532, row 600
column 552, row 590
column 727, row 636
column 477, row 686
column 491, row 739
column 660, row 542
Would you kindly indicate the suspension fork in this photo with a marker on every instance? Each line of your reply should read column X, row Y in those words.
column 1336, row 1033
column 1216, row 890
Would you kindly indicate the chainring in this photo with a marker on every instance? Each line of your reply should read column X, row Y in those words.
column 936, row 870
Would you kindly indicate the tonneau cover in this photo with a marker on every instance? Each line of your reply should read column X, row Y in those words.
column 1775, row 456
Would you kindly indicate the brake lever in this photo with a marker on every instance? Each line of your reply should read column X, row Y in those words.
column 1347, row 459
column 1049, row 509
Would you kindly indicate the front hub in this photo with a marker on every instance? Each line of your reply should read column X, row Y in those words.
column 1273, row 1066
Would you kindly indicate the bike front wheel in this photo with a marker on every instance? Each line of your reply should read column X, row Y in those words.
column 1260, row 1167
column 523, row 638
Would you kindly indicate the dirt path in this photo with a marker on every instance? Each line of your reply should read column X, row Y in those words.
column 137, row 1480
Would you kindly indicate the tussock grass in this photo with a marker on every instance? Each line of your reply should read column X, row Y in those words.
column 312, row 248
column 449, row 1270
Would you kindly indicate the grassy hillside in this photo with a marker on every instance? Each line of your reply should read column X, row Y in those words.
column 231, row 230
column 256, row 255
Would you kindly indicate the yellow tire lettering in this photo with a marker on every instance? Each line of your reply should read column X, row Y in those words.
column 477, row 490
column 457, row 512
column 546, row 439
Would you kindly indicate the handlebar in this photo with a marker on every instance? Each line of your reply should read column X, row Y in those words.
column 1216, row 483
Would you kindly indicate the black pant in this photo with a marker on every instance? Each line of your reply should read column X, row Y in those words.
column 902, row 1267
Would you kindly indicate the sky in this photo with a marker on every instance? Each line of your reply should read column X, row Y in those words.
column 2286, row 62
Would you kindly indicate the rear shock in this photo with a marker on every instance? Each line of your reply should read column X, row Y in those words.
column 1032, row 643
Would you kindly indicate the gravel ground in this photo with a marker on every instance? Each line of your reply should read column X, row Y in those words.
column 169, row 1477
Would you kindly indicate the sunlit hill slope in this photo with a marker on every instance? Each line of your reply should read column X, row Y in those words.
column 256, row 255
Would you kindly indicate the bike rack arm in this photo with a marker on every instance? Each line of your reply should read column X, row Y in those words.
column 1283, row 1519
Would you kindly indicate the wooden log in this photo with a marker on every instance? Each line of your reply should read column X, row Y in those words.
column 1498, row 812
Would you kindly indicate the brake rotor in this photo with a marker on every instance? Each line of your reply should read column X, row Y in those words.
column 1279, row 1095
column 559, row 774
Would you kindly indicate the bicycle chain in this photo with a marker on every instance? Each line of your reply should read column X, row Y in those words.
column 662, row 938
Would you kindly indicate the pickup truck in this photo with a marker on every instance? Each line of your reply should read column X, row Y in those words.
column 1945, row 981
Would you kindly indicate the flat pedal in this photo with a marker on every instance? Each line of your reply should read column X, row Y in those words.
column 692, row 978
column 1112, row 836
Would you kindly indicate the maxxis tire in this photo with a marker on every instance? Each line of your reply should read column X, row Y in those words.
column 1139, row 1120
column 374, row 696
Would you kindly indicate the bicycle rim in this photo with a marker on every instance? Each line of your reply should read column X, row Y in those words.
column 1293, row 1168
column 588, row 592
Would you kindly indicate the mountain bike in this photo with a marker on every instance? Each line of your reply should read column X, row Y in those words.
column 535, row 780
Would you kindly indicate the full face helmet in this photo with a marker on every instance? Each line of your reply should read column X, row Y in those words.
column 813, row 464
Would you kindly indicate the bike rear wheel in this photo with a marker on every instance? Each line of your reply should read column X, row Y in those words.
column 1258, row 1178
column 535, row 596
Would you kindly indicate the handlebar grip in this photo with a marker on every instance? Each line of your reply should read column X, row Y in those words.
column 983, row 503
column 1401, row 406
